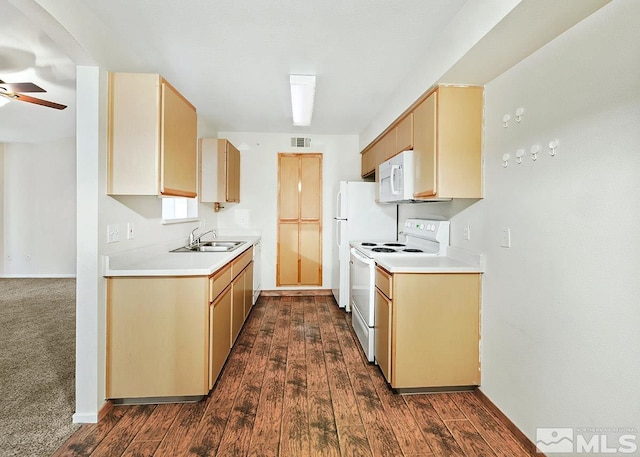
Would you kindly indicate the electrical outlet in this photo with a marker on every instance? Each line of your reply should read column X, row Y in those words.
column 28, row 257
column 8, row 258
column 467, row 232
column 130, row 231
column 505, row 240
column 113, row 233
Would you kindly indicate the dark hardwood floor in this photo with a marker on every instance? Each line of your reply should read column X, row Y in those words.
column 297, row 384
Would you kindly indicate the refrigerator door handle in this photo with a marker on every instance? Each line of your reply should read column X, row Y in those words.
column 338, row 205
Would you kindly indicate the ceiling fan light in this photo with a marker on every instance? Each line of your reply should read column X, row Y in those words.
column 303, row 89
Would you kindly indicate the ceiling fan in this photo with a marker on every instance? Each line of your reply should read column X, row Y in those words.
column 12, row 92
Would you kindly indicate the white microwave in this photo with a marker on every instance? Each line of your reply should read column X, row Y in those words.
column 395, row 183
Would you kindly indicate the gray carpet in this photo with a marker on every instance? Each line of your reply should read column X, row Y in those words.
column 37, row 365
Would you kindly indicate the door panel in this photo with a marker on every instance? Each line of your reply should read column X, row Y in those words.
column 287, row 254
column 424, row 147
column 310, row 254
column 288, row 202
column 310, row 189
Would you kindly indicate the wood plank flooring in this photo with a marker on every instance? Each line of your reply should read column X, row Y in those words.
column 297, row 384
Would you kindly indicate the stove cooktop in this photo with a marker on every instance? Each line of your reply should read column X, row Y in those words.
column 421, row 237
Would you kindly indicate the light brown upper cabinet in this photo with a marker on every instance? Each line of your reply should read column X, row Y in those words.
column 219, row 171
column 299, row 220
column 447, row 143
column 444, row 129
column 152, row 138
column 404, row 134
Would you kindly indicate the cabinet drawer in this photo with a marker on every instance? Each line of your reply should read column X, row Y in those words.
column 219, row 281
column 384, row 281
column 240, row 262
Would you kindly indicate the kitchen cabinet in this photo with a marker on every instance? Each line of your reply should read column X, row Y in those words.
column 427, row 329
column 220, row 334
column 369, row 160
column 170, row 336
column 219, row 167
column 152, row 138
column 299, row 220
column 447, row 146
column 157, row 337
column 404, row 134
column 240, row 270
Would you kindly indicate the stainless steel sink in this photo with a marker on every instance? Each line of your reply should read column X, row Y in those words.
column 211, row 246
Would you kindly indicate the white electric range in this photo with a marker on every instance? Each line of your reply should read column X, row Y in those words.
column 416, row 238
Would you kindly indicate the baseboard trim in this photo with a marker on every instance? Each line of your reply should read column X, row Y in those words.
column 524, row 440
column 38, row 276
column 296, row 292
column 85, row 418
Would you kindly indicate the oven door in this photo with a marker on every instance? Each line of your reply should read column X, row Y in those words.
column 362, row 288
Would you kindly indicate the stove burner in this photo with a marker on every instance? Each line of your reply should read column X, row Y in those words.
column 383, row 250
column 397, row 245
column 412, row 250
column 369, row 244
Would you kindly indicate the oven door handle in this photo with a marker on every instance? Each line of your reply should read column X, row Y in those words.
column 355, row 253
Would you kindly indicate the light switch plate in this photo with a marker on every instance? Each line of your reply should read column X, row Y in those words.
column 505, row 240
column 113, row 233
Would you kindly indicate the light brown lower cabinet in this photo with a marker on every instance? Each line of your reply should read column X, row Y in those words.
column 219, row 334
column 427, row 329
column 157, row 337
column 170, row 336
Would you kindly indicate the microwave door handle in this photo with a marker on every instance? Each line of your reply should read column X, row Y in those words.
column 394, row 191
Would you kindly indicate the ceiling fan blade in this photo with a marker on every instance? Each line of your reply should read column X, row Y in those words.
column 37, row 101
column 21, row 87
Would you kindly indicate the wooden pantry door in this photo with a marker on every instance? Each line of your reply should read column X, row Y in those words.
column 299, row 260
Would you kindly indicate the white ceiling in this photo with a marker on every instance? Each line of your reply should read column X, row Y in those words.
column 29, row 55
column 232, row 59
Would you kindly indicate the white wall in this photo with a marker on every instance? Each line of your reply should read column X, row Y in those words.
column 39, row 209
column 560, row 336
column 259, row 189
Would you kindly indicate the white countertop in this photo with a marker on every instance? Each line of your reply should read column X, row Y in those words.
column 456, row 261
column 158, row 261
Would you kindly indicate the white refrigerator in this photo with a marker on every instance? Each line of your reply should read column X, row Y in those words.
column 357, row 217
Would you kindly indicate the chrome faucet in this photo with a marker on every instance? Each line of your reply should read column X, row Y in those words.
column 194, row 240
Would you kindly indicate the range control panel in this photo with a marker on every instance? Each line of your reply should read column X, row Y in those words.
column 427, row 228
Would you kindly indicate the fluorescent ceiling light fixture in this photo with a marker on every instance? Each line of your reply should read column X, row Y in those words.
column 303, row 89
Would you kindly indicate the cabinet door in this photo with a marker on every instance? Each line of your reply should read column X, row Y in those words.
column 178, row 145
column 237, row 306
column 459, row 156
column 424, row 147
column 220, row 336
column 311, row 261
column 233, row 174
column 368, row 161
column 287, row 254
column 382, row 335
column 389, row 145
column 289, row 194
column 248, row 289
column 310, row 188
column 405, row 134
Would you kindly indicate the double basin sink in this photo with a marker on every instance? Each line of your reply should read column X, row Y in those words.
column 211, row 246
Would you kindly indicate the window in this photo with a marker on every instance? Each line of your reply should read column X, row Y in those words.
column 179, row 209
